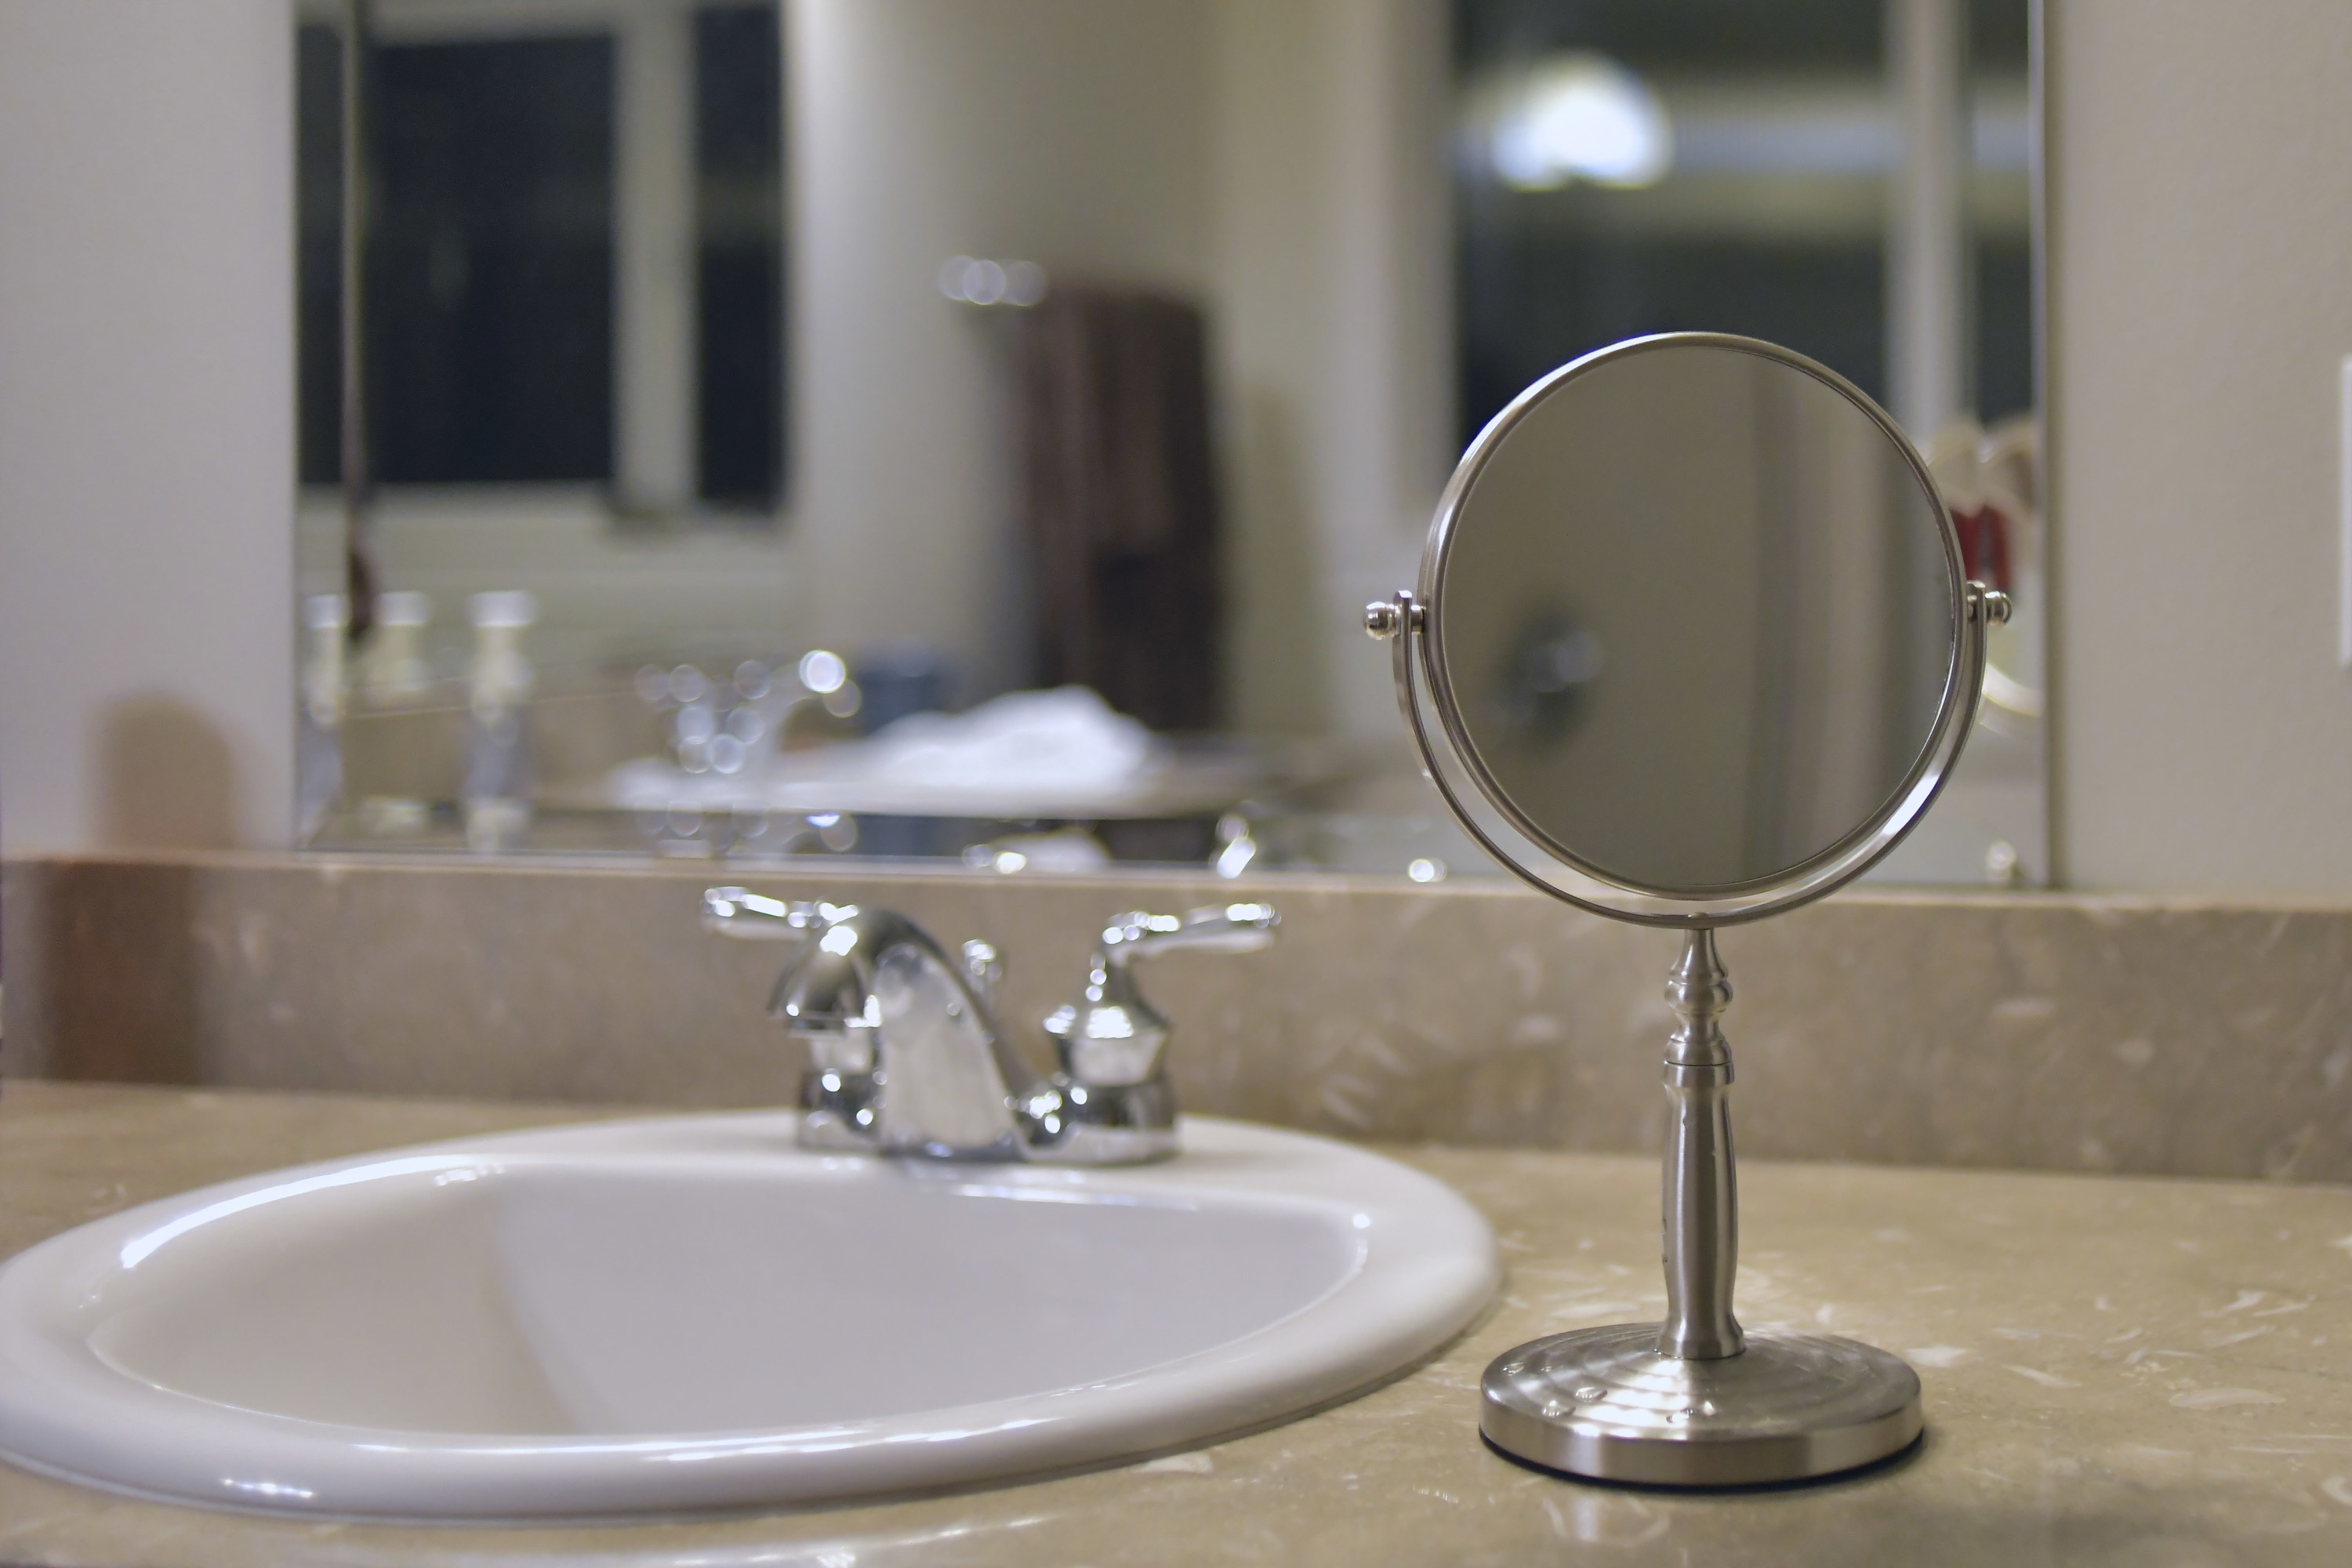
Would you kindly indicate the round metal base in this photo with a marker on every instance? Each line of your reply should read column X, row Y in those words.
column 1603, row 1403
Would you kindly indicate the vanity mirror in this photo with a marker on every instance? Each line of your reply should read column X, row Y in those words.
column 971, row 431
column 1692, row 643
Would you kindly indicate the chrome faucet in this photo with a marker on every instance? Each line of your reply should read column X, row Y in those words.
column 906, row 1056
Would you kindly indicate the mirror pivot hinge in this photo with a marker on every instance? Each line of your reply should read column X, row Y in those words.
column 1383, row 618
column 1987, row 606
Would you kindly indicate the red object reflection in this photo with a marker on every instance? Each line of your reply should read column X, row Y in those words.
column 1984, row 544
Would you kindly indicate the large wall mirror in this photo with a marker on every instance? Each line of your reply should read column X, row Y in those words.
column 972, row 428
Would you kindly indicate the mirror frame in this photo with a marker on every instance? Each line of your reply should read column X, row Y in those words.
column 1487, row 810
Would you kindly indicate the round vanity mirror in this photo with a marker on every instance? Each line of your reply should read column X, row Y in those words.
column 1692, row 644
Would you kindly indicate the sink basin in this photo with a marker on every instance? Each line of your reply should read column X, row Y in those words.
column 691, row 1313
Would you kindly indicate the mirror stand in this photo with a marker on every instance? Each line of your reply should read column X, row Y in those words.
column 1694, row 1401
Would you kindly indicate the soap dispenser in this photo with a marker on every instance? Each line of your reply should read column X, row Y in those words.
column 496, row 790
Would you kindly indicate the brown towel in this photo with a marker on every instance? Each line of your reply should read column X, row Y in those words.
column 1119, row 499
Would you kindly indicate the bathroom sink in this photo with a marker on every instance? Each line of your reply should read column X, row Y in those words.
column 691, row 1313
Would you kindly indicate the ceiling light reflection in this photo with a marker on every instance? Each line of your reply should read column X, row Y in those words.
column 1582, row 116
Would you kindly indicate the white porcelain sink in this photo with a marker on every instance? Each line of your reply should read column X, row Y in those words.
column 691, row 1313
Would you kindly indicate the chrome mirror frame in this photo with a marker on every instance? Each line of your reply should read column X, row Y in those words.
column 1693, row 1400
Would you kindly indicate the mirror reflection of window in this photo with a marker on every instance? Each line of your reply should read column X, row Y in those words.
column 574, row 253
column 1848, row 177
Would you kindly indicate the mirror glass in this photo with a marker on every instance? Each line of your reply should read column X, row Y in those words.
column 1696, row 617
column 972, row 428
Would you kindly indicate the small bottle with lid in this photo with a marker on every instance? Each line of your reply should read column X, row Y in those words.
column 319, row 723
column 497, row 788
column 393, row 677
column 394, row 672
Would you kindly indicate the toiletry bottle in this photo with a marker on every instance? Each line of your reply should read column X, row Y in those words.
column 319, row 726
column 394, row 672
column 496, row 790
column 393, row 680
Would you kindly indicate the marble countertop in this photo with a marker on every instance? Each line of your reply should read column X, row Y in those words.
column 2116, row 1369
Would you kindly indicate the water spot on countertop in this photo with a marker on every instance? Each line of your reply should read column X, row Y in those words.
column 252, row 942
column 2224, row 1398
column 1604, row 1519
column 1537, row 1029
column 1180, row 1465
column 1337, row 1104
column 2046, row 1379
column 1936, row 1355
column 1522, row 963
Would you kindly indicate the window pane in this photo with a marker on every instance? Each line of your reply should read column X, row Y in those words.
column 490, row 330
column 738, row 219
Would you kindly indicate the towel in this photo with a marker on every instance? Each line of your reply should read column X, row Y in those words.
column 1119, row 501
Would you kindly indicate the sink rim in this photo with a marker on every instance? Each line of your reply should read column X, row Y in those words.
column 1426, row 1269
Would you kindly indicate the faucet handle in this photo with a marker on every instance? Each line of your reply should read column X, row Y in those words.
column 754, row 917
column 1222, row 928
column 1111, row 1036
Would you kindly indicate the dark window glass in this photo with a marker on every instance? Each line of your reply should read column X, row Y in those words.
column 738, row 219
column 319, row 249
column 490, row 330
column 1683, row 34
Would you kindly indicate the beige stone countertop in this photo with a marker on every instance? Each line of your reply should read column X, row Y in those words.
column 2118, row 1370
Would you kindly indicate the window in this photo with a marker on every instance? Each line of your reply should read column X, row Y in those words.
column 574, row 253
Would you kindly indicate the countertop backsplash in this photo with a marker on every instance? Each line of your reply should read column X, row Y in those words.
column 2046, row 1031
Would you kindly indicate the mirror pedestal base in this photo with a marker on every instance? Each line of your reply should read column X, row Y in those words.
column 1603, row 1404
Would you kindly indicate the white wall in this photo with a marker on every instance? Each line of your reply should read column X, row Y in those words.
column 1335, row 314
column 1281, row 160
column 1069, row 133
column 2201, row 167
column 146, row 414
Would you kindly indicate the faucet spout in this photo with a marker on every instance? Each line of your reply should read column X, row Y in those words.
column 905, row 1053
